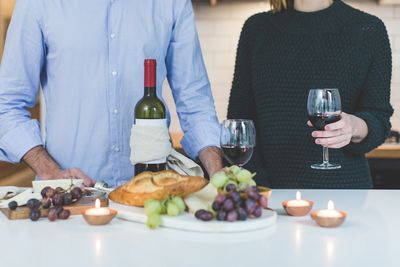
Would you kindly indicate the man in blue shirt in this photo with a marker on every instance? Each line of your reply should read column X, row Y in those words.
column 88, row 57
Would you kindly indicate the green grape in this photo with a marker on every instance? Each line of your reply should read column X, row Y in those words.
column 243, row 175
column 178, row 201
column 153, row 220
column 152, row 206
column 243, row 186
column 251, row 182
column 234, row 169
column 219, row 179
column 172, row 209
column 163, row 207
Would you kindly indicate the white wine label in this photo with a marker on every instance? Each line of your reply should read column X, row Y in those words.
column 153, row 122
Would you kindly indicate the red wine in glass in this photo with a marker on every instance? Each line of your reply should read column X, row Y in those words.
column 237, row 155
column 319, row 121
column 237, row 140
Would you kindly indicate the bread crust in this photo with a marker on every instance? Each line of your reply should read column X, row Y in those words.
column 156, row 185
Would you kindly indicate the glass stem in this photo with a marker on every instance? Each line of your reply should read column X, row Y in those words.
column 325, row 156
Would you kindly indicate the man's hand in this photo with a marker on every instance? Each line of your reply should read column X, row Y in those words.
column 339, row 134
column 46, row 168
column 211, row 158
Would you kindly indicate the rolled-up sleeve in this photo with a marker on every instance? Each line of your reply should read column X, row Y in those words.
column 20, row 72
column 190, row 85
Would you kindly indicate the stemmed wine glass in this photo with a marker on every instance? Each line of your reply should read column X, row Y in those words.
column 324, row 107
column 237, row 140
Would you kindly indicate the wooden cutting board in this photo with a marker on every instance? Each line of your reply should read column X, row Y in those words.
column 75, row 208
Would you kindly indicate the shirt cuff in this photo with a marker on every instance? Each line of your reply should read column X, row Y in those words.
column 200, row 136
column 372, row 140
column 17, row 142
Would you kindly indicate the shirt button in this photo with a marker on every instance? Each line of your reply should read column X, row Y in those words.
column 112, row 35
column 116, row 149
column 114, row 73
column 115, row 111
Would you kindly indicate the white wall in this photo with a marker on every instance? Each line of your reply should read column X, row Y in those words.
column 219, row 28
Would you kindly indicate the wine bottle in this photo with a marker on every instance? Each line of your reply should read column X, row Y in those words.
column 150, row 111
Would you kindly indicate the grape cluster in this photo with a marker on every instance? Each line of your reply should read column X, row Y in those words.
column 53, row 200
column 235, row 205
column 233, row 177
column 172, row 206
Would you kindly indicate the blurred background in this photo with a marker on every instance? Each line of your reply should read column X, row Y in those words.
column 219, row 24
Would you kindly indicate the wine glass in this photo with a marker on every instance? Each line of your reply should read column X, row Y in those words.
column 237, row 140
column 324, row 107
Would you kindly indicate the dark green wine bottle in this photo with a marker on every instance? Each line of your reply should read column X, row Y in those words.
column 150, row 111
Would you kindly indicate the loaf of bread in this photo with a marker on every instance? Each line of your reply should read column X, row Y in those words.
column 156, row 185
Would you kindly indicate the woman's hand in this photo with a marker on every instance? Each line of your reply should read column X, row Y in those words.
column 339, row 134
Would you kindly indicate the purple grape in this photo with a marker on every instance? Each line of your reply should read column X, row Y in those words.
column 257, row 212
column 235, row 196
column 230, row 188
column 67, row 198
column 199, row 213
column 58, row 199
column 44, row 191
column 216, row 206
column 52, row 216
column 33, row 204
column 242, row 214
column 232, row 216
column 220, row 199
column 253, row 194
column 76, row 193
column 59, row 209
column 34, row 215
column 263, row 201
column 60, row 190
column 64, row 214
column 250, row 205
column 50, row 192
column 204, row 215
column 13, row 205
column 46, row 203
column 228, row 205
column 221, row 215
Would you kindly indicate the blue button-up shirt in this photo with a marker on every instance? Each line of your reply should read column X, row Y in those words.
column 88, row 57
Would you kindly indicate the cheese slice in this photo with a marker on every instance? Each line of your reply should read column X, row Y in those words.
column 22, row 198
column 201, row 199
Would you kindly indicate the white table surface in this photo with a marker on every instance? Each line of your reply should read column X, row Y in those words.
column 369, row 237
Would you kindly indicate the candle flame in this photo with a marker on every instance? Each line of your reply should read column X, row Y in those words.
column 331, row 206
column 298, row 195
column 97, row 203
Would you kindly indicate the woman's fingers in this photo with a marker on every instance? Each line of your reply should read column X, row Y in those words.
column 336, row 125
column 339, row 145
column 326, row 134
column 333, row 140
column 309, row 124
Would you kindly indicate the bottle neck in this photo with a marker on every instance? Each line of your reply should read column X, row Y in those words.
column 150, row 91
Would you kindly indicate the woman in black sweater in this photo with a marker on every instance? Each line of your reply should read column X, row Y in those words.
column 283, row 54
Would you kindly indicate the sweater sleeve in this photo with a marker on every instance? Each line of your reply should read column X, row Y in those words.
column 241, row 100
column 374, row 102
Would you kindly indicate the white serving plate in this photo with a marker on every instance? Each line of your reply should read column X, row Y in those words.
column 188, row 222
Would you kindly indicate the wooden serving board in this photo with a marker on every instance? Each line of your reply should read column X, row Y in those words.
column 188, row 222
column 75, row 208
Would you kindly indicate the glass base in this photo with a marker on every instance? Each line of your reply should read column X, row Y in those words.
column 326, row 166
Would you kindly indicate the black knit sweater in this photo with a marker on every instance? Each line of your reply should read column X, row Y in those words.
column 279, row 58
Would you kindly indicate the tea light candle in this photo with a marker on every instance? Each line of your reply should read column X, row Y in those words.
column 298, row 207
column 298, row 202
column 99, row 215
column 97, row 210
column 329, row 217
column 330, row 212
